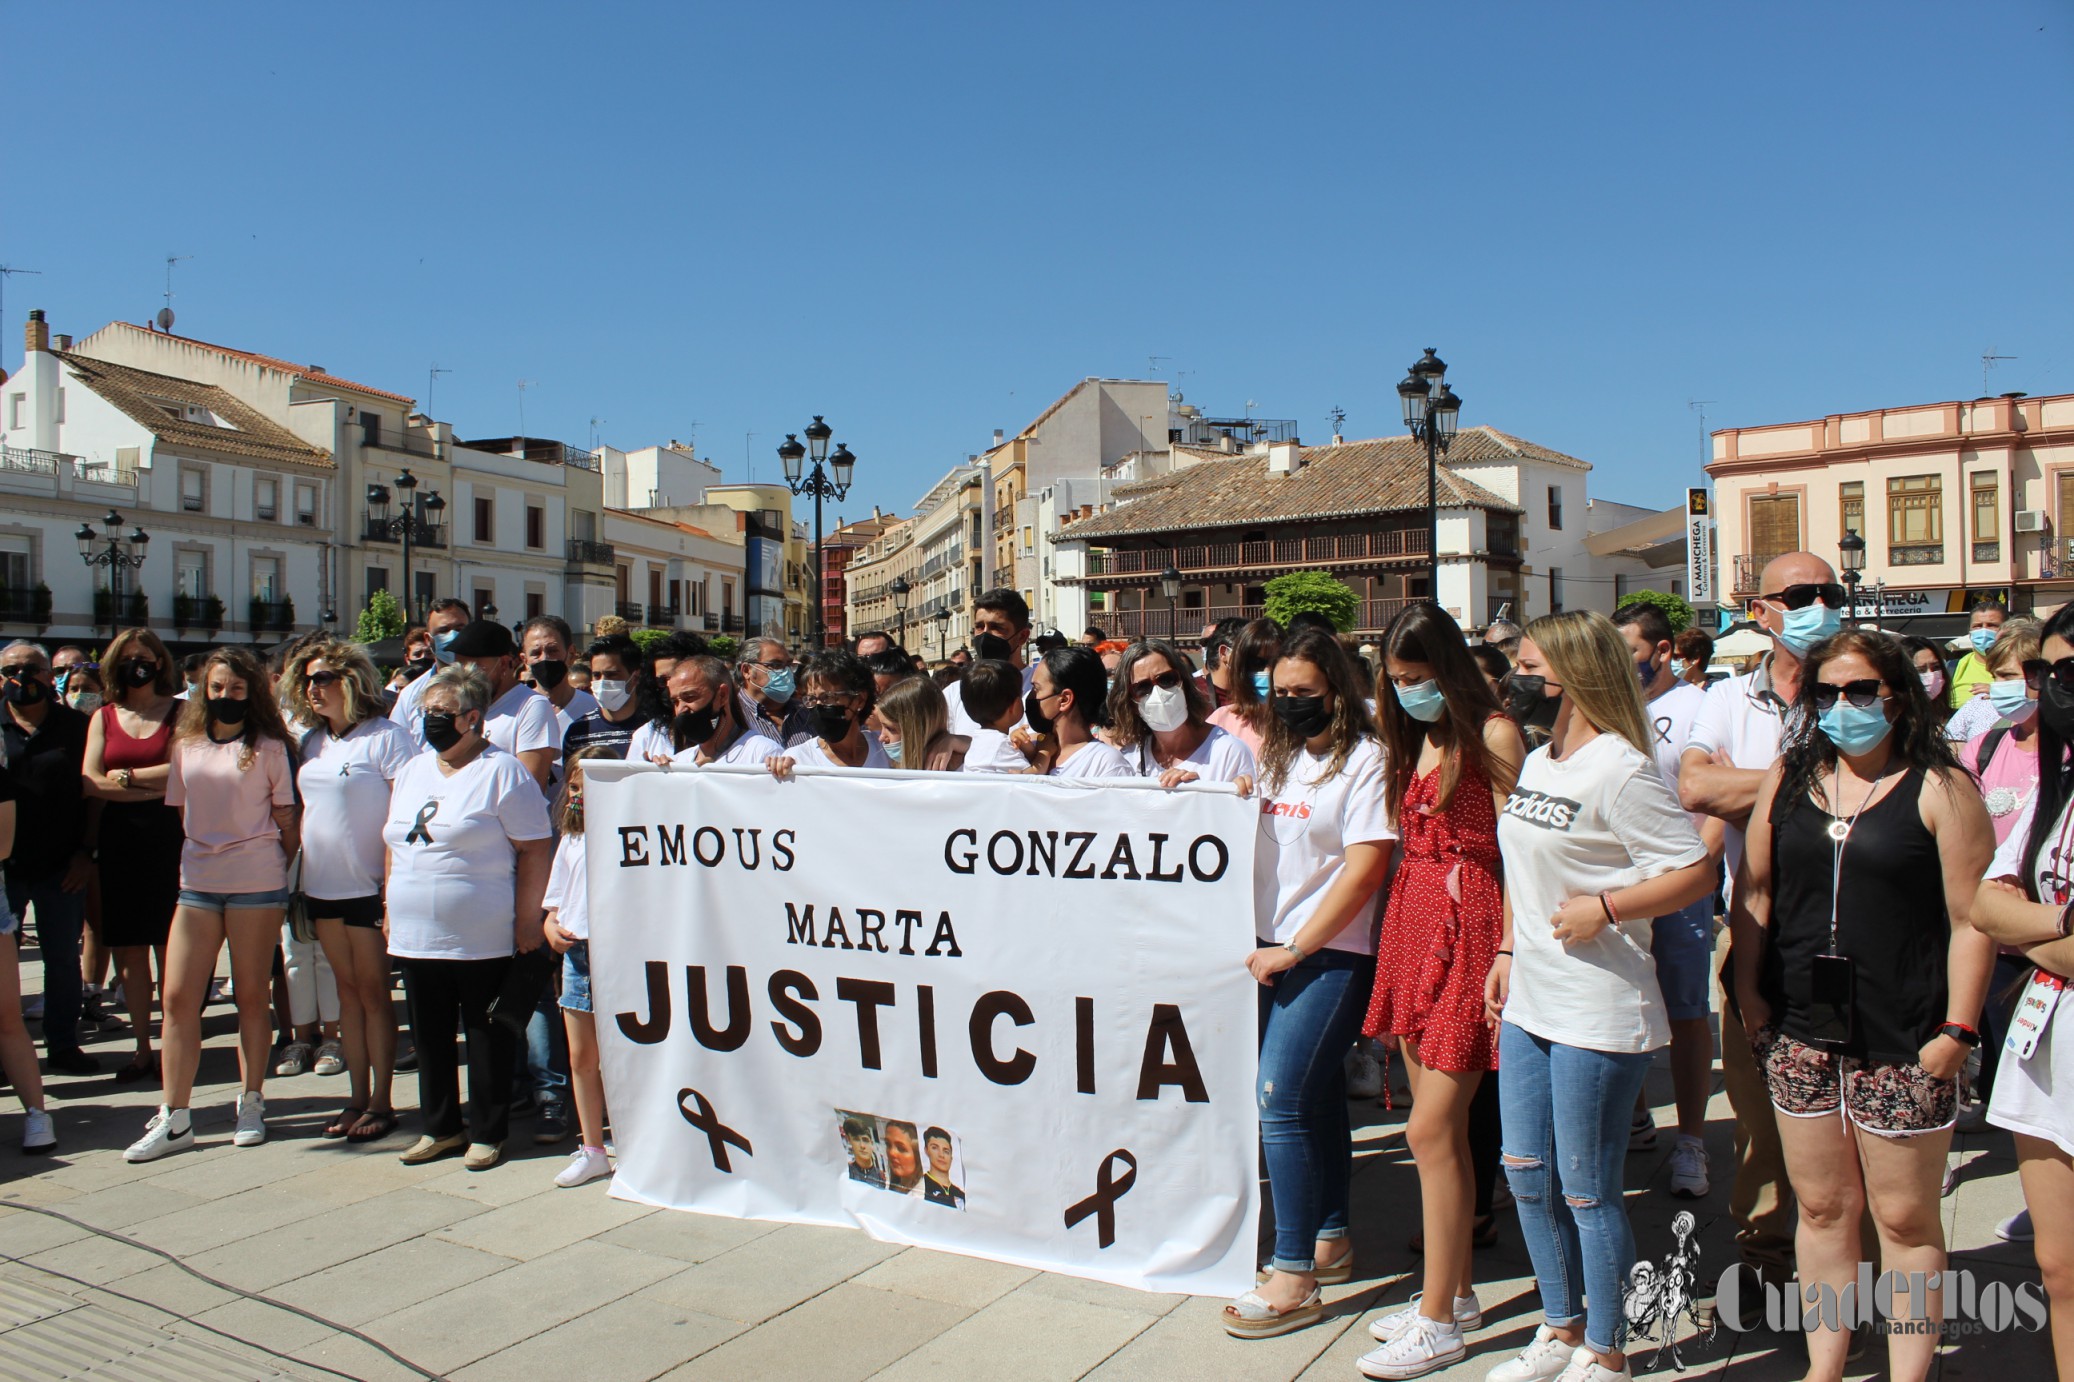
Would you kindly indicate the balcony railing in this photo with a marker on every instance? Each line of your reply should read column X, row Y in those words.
column 1749, row 571
column 630, row 610
column 202, row 613
column 662, row 616
column 710, row 620
column 730, row 623
column 1916, row 554
column 375, row 528
column 406, row 443
column 22, row 460
column 582, row 551
column 1274, row 553
column 1185, row 625
column 272, row 614
column 30, row 605
column 132, row 610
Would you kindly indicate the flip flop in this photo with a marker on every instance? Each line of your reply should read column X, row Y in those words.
column 373, row 1127
column 343, row 1124
column 1251, row 1317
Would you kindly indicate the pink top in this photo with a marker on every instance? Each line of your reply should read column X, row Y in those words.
column 1228, row 719
column 233, row 845
column 2009, row 780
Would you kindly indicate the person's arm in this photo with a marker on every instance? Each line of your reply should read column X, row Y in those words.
column 540, row 763
column 1497, row 985
column 1503, row 753
column 534, row 857
column 1965, row 837
column 7, row 814
column 1710, row 785
column 1360, row 874
column 1584, row 916
column 1750, row 910
column 287, row 815
column 96, row 782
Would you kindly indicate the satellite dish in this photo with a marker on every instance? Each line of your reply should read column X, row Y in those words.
column 165, row 319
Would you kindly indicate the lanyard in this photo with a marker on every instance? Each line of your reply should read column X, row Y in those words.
column 1840, row 832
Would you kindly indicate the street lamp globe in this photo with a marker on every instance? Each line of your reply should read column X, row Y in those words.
column 818, row 433
column 1412, row 394
column 1431, row 368
column 377, row 496
column 1850, row 551
column 791, row 454
column 1170, row 583
column 900, row 589
column 1446, row 408
column 86, row 537
column 844, row 464
column 406, row 482
column 433, row 503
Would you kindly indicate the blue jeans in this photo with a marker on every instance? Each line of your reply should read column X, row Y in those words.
column 60, row 920
column 1309, row 1016
column 547, row 1051
column 1567, row 1107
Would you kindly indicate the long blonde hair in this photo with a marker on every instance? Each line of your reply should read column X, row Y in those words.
column 357, row 679
column 915, row 706
column 1595, row 668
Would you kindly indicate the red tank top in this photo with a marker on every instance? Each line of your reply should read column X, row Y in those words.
column 121, row 749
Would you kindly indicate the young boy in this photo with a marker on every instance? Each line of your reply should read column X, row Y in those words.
column 994, row 699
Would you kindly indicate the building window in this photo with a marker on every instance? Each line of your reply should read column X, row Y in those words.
column 306, row 505
column 1774, row 531
column 266, row 579
column 1555, row 590
column 1555, row 508
column 536, row 604
column 194, row 490
column 377, row 579
column 485, row 599
column 15, row 564
column 536, row 526
column 191, row 574
column 727, row 597
column 370, row 428
column 485, row 520
column 1850, row 503
column 1915, row 520
column 1986, row 500
column 17, row 404
column 266, row 499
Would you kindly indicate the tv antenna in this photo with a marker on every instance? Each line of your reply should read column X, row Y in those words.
column 523, row 385
column 165, row 314
column 748, row 456
column 594, row 430
column 1152, row 363
column 1988, row 358
column 5, row 270
column 432, row 378
column 1699, row 405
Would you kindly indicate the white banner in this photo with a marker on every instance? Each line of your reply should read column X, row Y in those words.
column 1001, row 1016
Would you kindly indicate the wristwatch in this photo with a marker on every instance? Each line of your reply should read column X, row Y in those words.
column 1293, row 948
column 1960, row 1032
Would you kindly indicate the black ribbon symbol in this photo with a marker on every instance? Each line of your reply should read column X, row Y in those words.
column 1108, row 1190
column 419, row 835
column 718, row 1134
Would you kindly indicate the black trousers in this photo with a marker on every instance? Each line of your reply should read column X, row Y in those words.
column 443, row 994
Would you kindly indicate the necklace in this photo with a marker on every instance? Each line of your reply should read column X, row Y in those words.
column 1839, row 829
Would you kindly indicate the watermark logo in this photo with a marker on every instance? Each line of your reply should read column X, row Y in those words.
column 1887, row 1303
column 1659, row 1299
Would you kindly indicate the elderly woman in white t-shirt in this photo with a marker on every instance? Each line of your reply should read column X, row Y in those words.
column 469, row 849
column 1594, row 845
column 1159, row 719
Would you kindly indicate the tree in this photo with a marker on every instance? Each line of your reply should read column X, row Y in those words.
column 723, row 645
column 1675, row 609
column 1296, row 592
column 382, row 619
column 646, row 639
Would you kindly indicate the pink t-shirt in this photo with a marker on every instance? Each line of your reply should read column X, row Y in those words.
column 1228, row 719
column 2008, row 781
column 233, row 845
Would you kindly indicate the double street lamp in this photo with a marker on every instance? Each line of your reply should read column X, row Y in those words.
column 901, row 590
column 403, row 525
column 1430, row 411
column 111, row 549
column 818, row 483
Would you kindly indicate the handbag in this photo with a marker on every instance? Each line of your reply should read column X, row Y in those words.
column 523, row 984
column 299, row 924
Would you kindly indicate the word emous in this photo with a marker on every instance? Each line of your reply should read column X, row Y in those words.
column 708, row 847
column 1168, row 1057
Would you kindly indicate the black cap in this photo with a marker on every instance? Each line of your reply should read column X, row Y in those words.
column 485, row 638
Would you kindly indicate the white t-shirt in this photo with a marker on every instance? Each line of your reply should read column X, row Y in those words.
column 581, row 703
column 1600, row 820
column 1977, row 716
column 748, row 748
column 522, row 720
column 1221, row 757
column 568, row 888
column 961, row 723
column 345, row 803
column 991, row 752
column 453, row 865
column 1742, row 715
column 1305, row 830
column 1094, row 759
column 808, row 753
column 409, row 710
column 651, row 738
column 1670, row 719
column 2023, row 1099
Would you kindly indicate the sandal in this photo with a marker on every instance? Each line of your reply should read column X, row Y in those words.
column 1250, row 1317
column 1338, row 1273
column 373, row 1126
column 1483, row 1233
column 144, row 1068
column 343, row 1124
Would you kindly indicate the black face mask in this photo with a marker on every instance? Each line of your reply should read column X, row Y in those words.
column 440, row 730
column 1040, row 723
column 2056, row 709
column 694, row 727
column 831, row 722
column 417, row 667
column 139, row 671
column 1528, row 701
column 1306, row 716
column 227, row 710
column 23, row 691
column 548, row 674
column 994, row 646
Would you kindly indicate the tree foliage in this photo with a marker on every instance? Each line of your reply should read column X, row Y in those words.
column 382, row 619
column 1675, row 608
column 1296, row 592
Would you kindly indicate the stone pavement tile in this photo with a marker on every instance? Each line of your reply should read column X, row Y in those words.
column 29, row 1184
column 968, row 1281
column 253, row 1322
column 215, row 1171
column 186, row 1232
column 550, row 1219
column 773, row 1273
column 94, row 1171
column 1075, row 1288
column 164, row 1290
column 335, row 1236
column 94, row 1259
column 451, row 1330
column 356, row 1359
column 1190, row 1342
column 1027, row 1336
column 685, row 1236
column 842, row 1335
column 392, row 1279
column 120, row 1206
column 23, row 1233
column 508, row 1184
column 353, row 1178
column 631, row 1340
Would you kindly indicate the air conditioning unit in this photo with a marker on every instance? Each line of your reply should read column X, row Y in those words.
column 2030, row 520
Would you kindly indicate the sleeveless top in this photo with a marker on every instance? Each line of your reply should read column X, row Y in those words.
column 120, row 749
column 1891, row 921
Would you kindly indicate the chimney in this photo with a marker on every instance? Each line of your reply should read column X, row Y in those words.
column 1284, row 458
column 997, row 436
column 61, row 343
column 37, row 335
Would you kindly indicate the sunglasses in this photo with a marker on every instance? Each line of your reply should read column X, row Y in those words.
column 1801, row 596
column 325, row 678
column 1859, row 693
column 26, row 669
column 1165, row 681
column 2037, row 669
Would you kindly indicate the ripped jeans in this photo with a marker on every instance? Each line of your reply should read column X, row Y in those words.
column 1567, row 1107
column 1309, row 1016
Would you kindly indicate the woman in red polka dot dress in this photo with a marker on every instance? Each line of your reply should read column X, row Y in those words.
column 1453, row 757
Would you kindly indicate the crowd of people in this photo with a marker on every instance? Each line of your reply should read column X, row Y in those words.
column 1510, row 854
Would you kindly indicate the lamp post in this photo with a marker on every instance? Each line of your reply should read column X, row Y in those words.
column 1850, row 551
column 111, row 549
column 1431, row 416
column 818, row 483
column 403, row 525
column 943, row 633
column 1170, row 586
column 901, row 590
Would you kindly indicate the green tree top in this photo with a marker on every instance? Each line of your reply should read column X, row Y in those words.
column 1294, row 592
column 382, row 619
column 1675, row 609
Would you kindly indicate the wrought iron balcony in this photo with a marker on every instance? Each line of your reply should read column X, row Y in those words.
column 272, row 614
column 381, row 528
column 629, row 610
column 710, row 620
column 582, row 551
column 662, row 616
column 131, row 610
column 203, row 613
column 29, row 605
column 1273, row 553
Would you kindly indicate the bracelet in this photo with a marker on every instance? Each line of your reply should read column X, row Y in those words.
column 1506, row 953
column 1606, row 901
column 1954, row 1022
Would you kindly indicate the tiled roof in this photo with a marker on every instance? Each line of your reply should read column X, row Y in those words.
column 251, row 433
column 309, row 372
column 1346, row 481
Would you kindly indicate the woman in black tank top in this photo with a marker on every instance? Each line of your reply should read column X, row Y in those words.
column 1858, row 972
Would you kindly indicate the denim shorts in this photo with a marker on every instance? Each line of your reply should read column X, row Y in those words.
column 218, row 902
column 9, row 922
column 576, row 978
column 1683, row 944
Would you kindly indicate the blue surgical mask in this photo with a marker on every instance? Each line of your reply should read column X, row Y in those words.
column 2011, row 700
column 1677, row 666
column 1644, row 673
column 1982, row 639
column 1855, row 728
column 780, row 686
column 892, row 748
column 1424, row 702
column 443, row 647
column 1807, row 626
column 1260, row 685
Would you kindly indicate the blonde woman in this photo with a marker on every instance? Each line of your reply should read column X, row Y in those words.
column 913, row 717
column 349, row 762
column 1593, row 846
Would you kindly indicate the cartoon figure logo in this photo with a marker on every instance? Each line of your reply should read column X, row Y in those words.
column 1659, row 1296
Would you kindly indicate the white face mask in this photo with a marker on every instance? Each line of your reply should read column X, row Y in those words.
column 1164, row 708
column 612, row 695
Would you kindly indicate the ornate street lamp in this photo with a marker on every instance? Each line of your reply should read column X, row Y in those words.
column 111, row 549
column 817, row 482
column 901, row 590
column 403, row 525
column 1431, row 409
column 1170, row 586
column 943, row 632
column 1850, row 551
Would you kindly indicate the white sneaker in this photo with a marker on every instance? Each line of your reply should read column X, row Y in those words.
column 251, row 1121
column 170, row 1130
column 1584, row 1367
column 1468, row 1316
column 1641, row 1131
column 295, row 1058
column 1544, row 1359
column 331, row 1058
column 584, row 1165
column 1689, row 1169
column 1424, row 1346
column 2016, row 1228
column 38, row 1136
column 1364, row 1074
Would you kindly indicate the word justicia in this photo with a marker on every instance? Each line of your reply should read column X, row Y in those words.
column 1893, row 1302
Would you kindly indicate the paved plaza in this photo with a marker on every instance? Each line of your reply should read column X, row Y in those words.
column 500, row 1277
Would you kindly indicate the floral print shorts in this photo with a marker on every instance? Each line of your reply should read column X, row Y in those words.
column 1897, row 1098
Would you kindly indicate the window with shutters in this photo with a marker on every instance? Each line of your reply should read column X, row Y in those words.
column 485, row 519
column 1987, row 523
column 1774, row 526
column 266, row 499
column 1850, row 503
column 2063, row 520
column 536, row 526
column 1915, row 520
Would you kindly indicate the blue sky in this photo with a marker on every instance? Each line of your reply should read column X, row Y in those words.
column 927, row 221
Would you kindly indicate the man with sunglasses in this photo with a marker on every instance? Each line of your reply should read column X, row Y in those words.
column 1735, row 739
column 769, row 701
